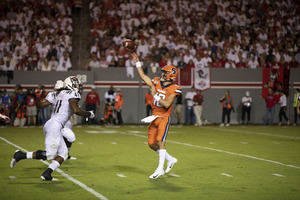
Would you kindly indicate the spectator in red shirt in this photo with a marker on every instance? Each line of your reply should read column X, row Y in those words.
column 31, row 107
column 198, row 99
column 271, row 101
column 217, row 64
column 92, row 101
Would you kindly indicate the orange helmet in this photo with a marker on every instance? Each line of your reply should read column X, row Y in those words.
column 170, row 73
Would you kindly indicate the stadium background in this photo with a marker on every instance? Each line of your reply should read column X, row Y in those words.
column 236, row 80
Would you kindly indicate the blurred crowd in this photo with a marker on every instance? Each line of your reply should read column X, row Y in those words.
column 21, row 106
column 35, row 35
column 196, row 34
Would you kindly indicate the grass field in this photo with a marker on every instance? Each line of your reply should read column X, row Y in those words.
column 237, row 162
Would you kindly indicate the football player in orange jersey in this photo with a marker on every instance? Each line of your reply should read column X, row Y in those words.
column 164, row 92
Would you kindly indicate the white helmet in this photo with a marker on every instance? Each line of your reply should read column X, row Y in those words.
column 59, row 85
column 73, row 83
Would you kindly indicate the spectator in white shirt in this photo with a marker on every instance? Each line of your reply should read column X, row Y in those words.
column 53, row 63
column 253, row 63
column 46, row 66
column 93, row 63
column 283, row 109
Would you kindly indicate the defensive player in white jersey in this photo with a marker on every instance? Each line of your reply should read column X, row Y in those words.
column 67, row 103
column 67, row 133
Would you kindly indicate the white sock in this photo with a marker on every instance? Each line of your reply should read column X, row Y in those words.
column 168, row 156
column 162, row 157
column 54, row 165
column 29, row 155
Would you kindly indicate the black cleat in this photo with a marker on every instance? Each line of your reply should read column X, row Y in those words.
column 17, row 156
column 46, row 176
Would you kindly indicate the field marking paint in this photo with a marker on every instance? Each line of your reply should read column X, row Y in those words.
column 100, row 132
column 174, row 175
column 228, row 175
column 276, row 142
column 121, row 175
column 278, row 175
column 255, row 133
column 71, row 175
column 12, row 177
column 212, row 143
column 82, row 185
column 136, row 131
column 113, row 143
column 221, row 151
column 244, row 142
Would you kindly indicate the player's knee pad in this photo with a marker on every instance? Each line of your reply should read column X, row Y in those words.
column 40, row 154
column 68, row 134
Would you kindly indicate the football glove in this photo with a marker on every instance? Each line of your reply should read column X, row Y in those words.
column 89, row 114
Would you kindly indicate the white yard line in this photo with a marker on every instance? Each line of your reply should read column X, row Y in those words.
column 228, row 175
column 121, row 175
column 278, row 175
column 174, row 175
column 254, row 133
column 82, row 185
column 219, row 150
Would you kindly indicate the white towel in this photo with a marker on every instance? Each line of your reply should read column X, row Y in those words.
column 149, row 119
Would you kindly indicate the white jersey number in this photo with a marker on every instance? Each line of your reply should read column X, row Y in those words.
column 162, row 96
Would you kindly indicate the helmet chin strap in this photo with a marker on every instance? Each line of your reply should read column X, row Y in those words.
column 162, row 79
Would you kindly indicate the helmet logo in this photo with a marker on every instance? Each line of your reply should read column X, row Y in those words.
column 174, row 70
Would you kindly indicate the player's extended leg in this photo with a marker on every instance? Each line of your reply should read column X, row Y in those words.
column 69, row 145
column 56, row 162
column 19, row 155
column 69, row 138
column 62, row 154
column 157, row 135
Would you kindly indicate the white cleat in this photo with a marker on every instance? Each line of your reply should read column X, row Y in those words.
column 47, row 179
column 171, row 165
column 72, row 158
column 15, row 159
column 157, row 174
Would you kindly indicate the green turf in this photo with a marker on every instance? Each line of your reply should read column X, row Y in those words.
column 204, row 153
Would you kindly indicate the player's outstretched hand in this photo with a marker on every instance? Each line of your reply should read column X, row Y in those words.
column 5, row 119
column 92, row 115
column 135, row 58
column 89, row 114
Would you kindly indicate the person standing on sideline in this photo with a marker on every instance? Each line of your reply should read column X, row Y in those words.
column 164, row 92
column 198, row 99
column 227, row 106
column 31, row 107
column 92, row 102
column 110, row 95
column 148, row 102
column 190, row 115
column 283, row 108
column 119, row 102
column 41, row 93
column 271, row 101
column 298, row 106
column 295, row 105
column 246, row 109
column 67, row 102
column 178, row 108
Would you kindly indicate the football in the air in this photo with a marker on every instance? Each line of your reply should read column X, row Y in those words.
column 129, row 44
